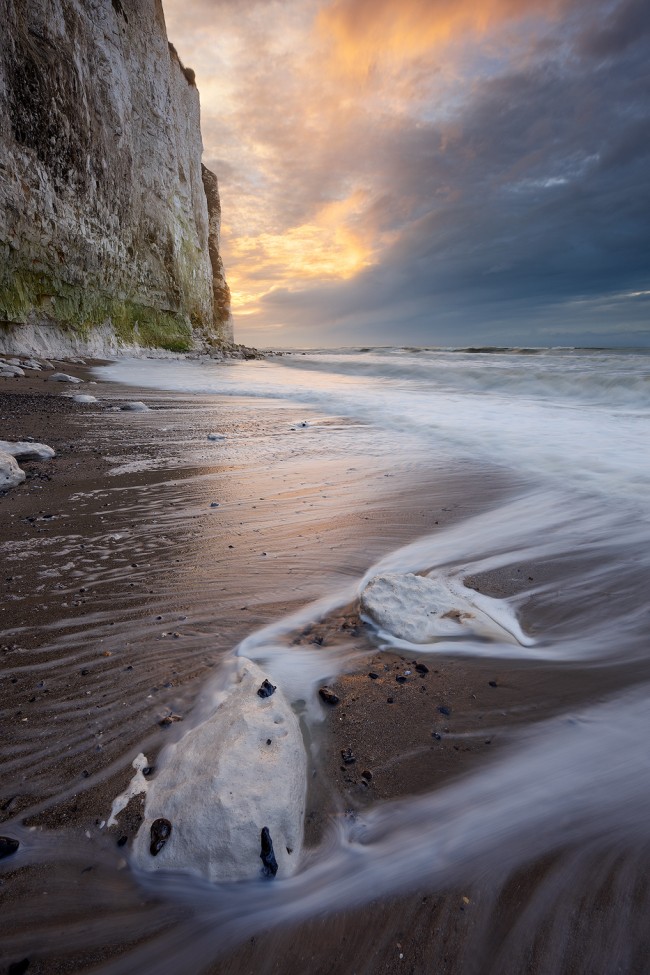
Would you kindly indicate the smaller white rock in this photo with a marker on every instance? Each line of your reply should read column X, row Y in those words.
column 10, row 472
column 216, row 436
column 23, row 450
column 135, row 407
column 63, row 377
column 32, row 364
column 84, row 398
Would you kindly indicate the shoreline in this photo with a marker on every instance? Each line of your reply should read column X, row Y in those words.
column 100, row 643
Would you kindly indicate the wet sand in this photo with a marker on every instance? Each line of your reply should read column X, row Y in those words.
column 121, row 593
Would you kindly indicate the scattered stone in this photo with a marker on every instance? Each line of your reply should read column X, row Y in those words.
column 8, row 846
column 373, row 676
column 367, row 775
column 216, row 436
column 328, row 695
column 214, row 504
column 27, row 450
column 444, row 710
column 267, row 856
column 123, row 840
column 136, row 407
column 84, row 398
column 401, row 679
column 161, row 830
column 148, row 770
column 18, row 967
column 10, row 473
column 347, row 756
column 422, row 668
column 11, row 372
column 493, row 683
column 170, row 719
column 266, row 689
column 436, row 735
column 390, row 700
column 63, row 377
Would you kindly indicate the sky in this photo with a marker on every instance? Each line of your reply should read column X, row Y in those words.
column 428, row 172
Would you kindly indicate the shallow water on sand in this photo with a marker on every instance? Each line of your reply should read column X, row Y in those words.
column 528, row 475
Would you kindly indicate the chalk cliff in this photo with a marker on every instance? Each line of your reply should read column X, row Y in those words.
column 109, row 223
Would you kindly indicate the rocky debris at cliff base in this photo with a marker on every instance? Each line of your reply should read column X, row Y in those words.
column 84, row 398
column 63, row 377
column 11, row 372
column 221, row 783
column 10, row 473
column 23, row 450
column 422, row 609
column 135, row 407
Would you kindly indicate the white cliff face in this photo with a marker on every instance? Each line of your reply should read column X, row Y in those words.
column 105, row 231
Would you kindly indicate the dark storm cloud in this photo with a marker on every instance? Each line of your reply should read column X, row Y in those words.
column 533, row 201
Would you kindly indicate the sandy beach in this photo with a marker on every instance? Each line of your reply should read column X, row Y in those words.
column 133, row 563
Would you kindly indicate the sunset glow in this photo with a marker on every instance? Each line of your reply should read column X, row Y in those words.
column 426, row 153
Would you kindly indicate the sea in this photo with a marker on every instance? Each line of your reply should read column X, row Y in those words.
column 565, row 434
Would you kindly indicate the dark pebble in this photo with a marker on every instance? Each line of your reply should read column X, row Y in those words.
column 268, row 741
column 401, row 679
column 18, row 967
column 492, row 683
column 328, row 695
column 161, row 830
column 266, row 689
column 434, row 734
column 84, row 672
column 148, row 770
column 366, row 775
column 347, row 756
column 8, row 846
column 444, row 710
column 422, row 668
column 267, row 856
column 123, row 840
column 389, row 700
column 373, row 676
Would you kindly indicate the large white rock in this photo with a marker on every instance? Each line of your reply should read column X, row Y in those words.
column 422, row 609
column 25, row 450
column 223, row 782
column 63, row 377
column 10, row 472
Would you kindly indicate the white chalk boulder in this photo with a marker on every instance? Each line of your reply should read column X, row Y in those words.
column 423, row 609
column 9, row 371
column 25, row 450
column 244, row 768
column 84, row 398
column 10, row 472
column 32, row 364
column 135, row 407
column 63, row 377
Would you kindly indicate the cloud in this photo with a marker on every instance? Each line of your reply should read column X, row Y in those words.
column 486, row 170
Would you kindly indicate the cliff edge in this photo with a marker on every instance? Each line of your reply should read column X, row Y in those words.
column 109, row 223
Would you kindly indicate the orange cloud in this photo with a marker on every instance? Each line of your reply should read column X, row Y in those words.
column 365, row 32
